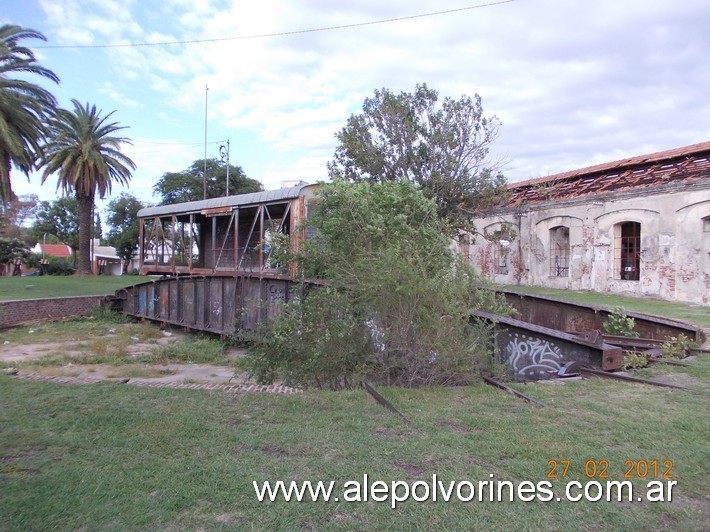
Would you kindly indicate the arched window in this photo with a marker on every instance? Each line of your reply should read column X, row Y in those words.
column 627, row 251
column 501, row 258
column 559, row 251
column 706, row 224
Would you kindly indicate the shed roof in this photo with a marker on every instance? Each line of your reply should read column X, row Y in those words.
column 229, row 202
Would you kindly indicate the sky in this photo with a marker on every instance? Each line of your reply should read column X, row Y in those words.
column 573, row 83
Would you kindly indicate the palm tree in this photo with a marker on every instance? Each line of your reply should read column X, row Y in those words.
column 87, row 158
column 24, row 106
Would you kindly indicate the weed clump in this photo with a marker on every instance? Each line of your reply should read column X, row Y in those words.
column 619, row 324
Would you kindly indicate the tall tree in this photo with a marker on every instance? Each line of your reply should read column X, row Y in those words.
column 14, row 217
column 12, row 249
column 178, row 187
column 87, row 157
column 122, row 216
column 443, row 150
column 24, row 106
column 59, row 219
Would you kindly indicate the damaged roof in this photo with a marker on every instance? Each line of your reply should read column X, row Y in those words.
column 688, row 164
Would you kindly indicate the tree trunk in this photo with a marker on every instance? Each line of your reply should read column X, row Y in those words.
column 86, row 205
column 6, row 195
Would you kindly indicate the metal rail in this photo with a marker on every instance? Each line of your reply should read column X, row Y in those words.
column 389, row 406
column 502, row 386
column 626, row 378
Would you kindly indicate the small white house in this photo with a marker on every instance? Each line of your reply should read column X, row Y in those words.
column 104, row 259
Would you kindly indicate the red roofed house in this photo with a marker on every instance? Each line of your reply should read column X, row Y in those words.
column 638, row 226
column 53, row 250
column 103, row 258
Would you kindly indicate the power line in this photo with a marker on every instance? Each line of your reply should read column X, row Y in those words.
column 280, row 34
column 178, row 143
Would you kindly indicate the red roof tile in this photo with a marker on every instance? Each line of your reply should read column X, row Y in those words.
column 56, row 250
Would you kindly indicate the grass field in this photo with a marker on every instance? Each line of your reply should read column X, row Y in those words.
column 109, row 456
column 63, row 286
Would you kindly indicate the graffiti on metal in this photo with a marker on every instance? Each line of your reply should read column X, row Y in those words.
column 532, row 358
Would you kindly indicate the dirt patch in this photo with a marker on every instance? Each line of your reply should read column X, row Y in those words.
column 679, row 379
column 10, row 352
column 272, row 450
column 31, row 356
column 411, row 470
column 167, row 373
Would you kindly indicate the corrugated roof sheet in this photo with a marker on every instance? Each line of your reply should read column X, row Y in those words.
column 239, row 200
column 691, row 163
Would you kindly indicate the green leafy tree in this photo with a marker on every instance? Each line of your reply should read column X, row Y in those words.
column 443, row 150
column 398, row 303
column 122, row 216
column 86, row 156
column 12, row 249
column 14, row 217
column 60, row 219
column 188, row 185
column 24, row 106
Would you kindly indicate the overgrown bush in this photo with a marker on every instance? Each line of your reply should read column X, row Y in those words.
column 398, row 305
column 59, row 266
column 619, row 324
column 633, row 360
column 315, row 341
column 678, row 347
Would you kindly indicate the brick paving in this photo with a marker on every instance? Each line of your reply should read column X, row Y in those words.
column 211, row 386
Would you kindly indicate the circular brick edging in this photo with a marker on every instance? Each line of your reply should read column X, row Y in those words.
column 211, row 386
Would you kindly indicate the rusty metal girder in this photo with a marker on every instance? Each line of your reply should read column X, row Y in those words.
column 534, row 352
column 498, row 384
column 575, row 317
column 627, row 378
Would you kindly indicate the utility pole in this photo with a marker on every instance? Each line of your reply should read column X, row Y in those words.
column 204, row 171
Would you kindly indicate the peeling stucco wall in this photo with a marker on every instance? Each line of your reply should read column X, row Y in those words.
column 674, row 257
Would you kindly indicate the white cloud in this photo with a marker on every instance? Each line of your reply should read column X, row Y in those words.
column 574, row 83
column 108, row 89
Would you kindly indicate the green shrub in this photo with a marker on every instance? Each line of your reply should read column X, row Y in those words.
column 633, row 360
column 315, row 341
column 398, row 305
column 619, row 324
column 59, row 266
